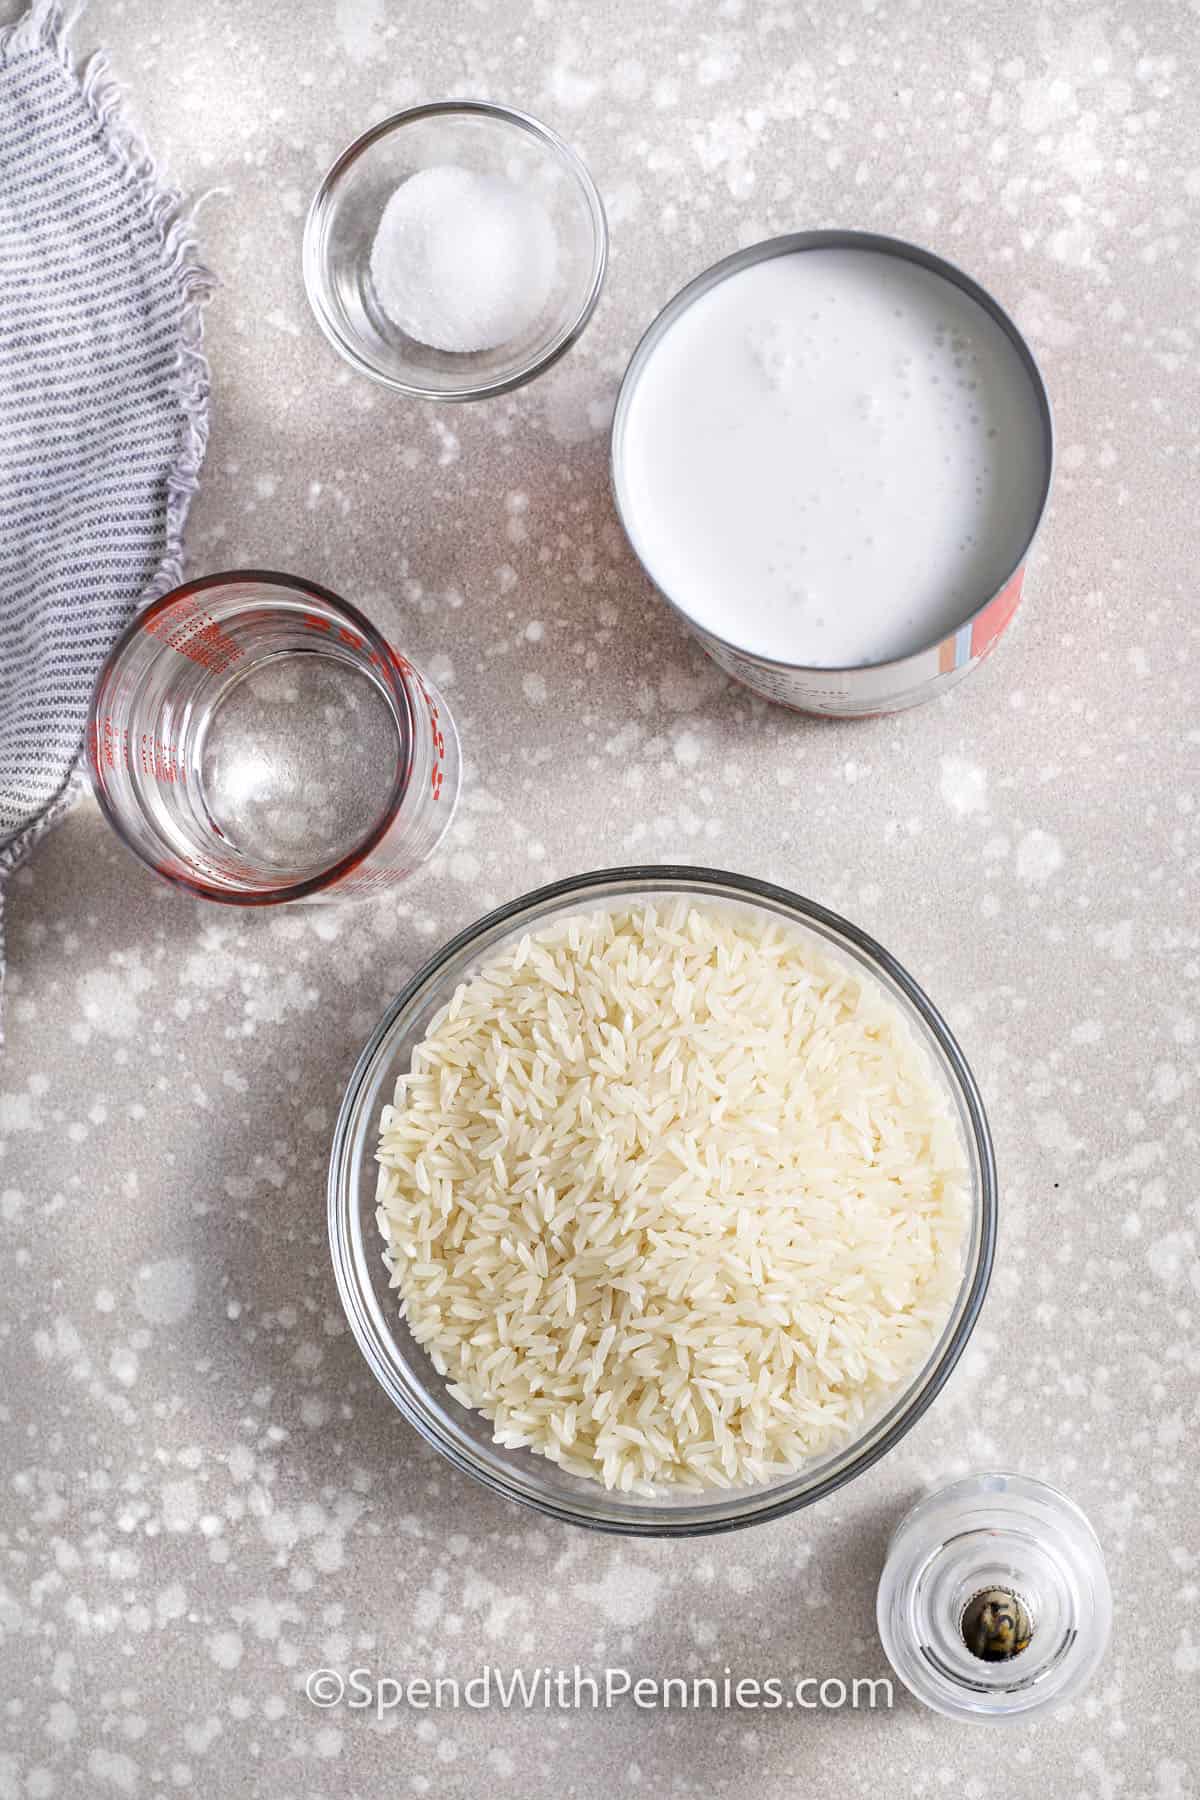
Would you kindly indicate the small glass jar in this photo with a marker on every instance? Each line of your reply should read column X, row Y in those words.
column 486, row 139
column 994, row 1602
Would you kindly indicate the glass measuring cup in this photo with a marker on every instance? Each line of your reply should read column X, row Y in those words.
column 253, row 738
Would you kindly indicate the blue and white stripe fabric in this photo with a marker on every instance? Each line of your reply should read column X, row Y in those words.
column 103, row 405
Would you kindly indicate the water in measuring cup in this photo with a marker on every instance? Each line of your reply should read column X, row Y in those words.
column 297, row 761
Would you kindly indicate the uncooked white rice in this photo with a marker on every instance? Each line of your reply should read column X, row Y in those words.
column 672, row 1197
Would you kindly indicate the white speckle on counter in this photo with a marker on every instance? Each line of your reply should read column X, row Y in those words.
column 566, row 87
column 17, row 1113
column 114, row 1771
column 1118, row 940
column 328, row 1742
column 1039, row 856
column 109, row 998
column 165, row 1292
column 963, row 785
column 360, row 26
column 576, row 406
column 1171, row 1779
column 1173, row 1257
column 225, row 1649
column 200, row 1737
column 450, row 449
column 180, row 1505
column 171, row 1603
column 123, row 1366
column 1168, row 1084
column 62, row 1722
column 627, row 1595
column 1052, row 1132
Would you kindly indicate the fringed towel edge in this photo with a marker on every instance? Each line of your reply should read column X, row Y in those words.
column 48, row 26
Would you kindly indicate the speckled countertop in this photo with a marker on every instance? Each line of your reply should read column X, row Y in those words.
column 205, row 1495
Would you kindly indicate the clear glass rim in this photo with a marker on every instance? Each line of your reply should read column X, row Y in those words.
column 397, row 691
column 314, row 237
column 603, row 1511
column 1031, row 1487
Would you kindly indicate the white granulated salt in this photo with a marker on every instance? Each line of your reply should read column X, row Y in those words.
column 463, row 261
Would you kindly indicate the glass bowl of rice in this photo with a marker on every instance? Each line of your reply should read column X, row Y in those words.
column 566, row 1371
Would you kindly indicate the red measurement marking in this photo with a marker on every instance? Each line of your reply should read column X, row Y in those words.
column 346, row 636
column 315, row 622
column 439, row 742
column 107, row 743
column 405, row 669
column 192, row 631
column 160, row 760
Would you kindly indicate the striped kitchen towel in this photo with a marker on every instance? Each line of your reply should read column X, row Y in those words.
column 103, row 405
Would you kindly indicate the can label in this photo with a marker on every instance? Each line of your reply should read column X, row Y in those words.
column 886, row 688
column 995, row 617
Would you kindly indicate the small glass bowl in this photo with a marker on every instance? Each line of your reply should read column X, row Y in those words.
column 404, row 1370
column 345, row 213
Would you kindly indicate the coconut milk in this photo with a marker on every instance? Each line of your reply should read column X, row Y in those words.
column 832, row 458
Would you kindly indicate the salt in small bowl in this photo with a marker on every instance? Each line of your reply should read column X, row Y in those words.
column 344, row 217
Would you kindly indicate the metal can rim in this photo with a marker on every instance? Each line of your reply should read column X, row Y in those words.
column 787, row 244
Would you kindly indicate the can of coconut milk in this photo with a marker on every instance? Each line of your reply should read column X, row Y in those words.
column 831, row 453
